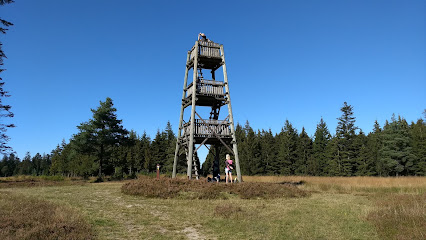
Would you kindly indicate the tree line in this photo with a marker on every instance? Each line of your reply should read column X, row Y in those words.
column 103, row 147
column 396, row 149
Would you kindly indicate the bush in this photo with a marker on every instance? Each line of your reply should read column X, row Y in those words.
column 182, row 188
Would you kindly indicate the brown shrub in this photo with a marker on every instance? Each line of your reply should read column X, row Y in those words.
column 27, row 218
column 172, row 188
column 400, row 216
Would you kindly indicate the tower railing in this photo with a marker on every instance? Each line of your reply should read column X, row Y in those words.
column 208, row 128
column 207, row 49
column 208, row 87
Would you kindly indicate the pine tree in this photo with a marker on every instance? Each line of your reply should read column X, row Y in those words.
column 26, row 166
column 143, row 153
column 131, row 150
column 268, row 152
column 333, row 166
column 364, row 161
column 58, row 162
column 158, row 151
column 171, row 147
column 99, row 135
column 396, row 152
column 304, row 153
column 318, row 163
column 418, row 136
column 241, row 137
column 255, row 163
column 36, row 162
column 287, row 151
column 345, row 133
column 46, row 162
column 374, row 144
column 5, row 111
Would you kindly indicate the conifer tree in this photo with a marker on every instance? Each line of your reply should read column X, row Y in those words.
column 418, row 137
column 304, row 153
column 36, row 162
column 143, row 156
column 99, row 135
column 46, row 162
column 374, row 144
column 58, row 162
column 131, row 154
column 26, row 167
column 5, row 109
column 345, row 133
column 241, row 137
column 9, row 165
column 268, row 152
column 159, row 151
column 364, row 162
column 287, row 152
column 396, row 152
column 171, row 145
column 334, row 161
column 318, row 163
column 254, row 160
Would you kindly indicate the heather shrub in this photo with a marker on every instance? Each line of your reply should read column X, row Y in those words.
column 201, row 189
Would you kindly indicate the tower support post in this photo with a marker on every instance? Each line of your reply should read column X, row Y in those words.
column 185, row 81
column 192, row 126
column 231, row 117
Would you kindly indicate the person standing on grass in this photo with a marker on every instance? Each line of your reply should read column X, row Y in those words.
column 228, row 169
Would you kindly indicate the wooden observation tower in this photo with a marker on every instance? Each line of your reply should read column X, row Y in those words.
column 212, row 95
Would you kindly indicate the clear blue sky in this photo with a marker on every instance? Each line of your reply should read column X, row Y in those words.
column 295, row 60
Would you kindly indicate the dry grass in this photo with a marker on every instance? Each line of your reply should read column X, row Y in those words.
column 349, row 185
column 185, row 189
column 400, row 216
column 29, row 218
column 38, row 181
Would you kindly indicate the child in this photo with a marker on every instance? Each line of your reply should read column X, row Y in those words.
column 228, row 168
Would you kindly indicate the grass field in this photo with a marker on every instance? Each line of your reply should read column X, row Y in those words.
column 332, row 208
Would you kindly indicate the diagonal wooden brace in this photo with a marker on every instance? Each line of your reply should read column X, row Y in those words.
column 216, row 135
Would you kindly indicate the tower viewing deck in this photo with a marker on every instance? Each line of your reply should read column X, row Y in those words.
column 208, row 129
column 208, row 93
column 209, row 55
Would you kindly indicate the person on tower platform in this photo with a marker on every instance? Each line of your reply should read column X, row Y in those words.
column 203, row 37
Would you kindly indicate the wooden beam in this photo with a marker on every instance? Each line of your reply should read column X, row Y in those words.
column 182, row 109
column 231, row 118
column 217, row 136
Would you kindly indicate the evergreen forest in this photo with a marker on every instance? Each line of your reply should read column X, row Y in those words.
column 103, row 147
